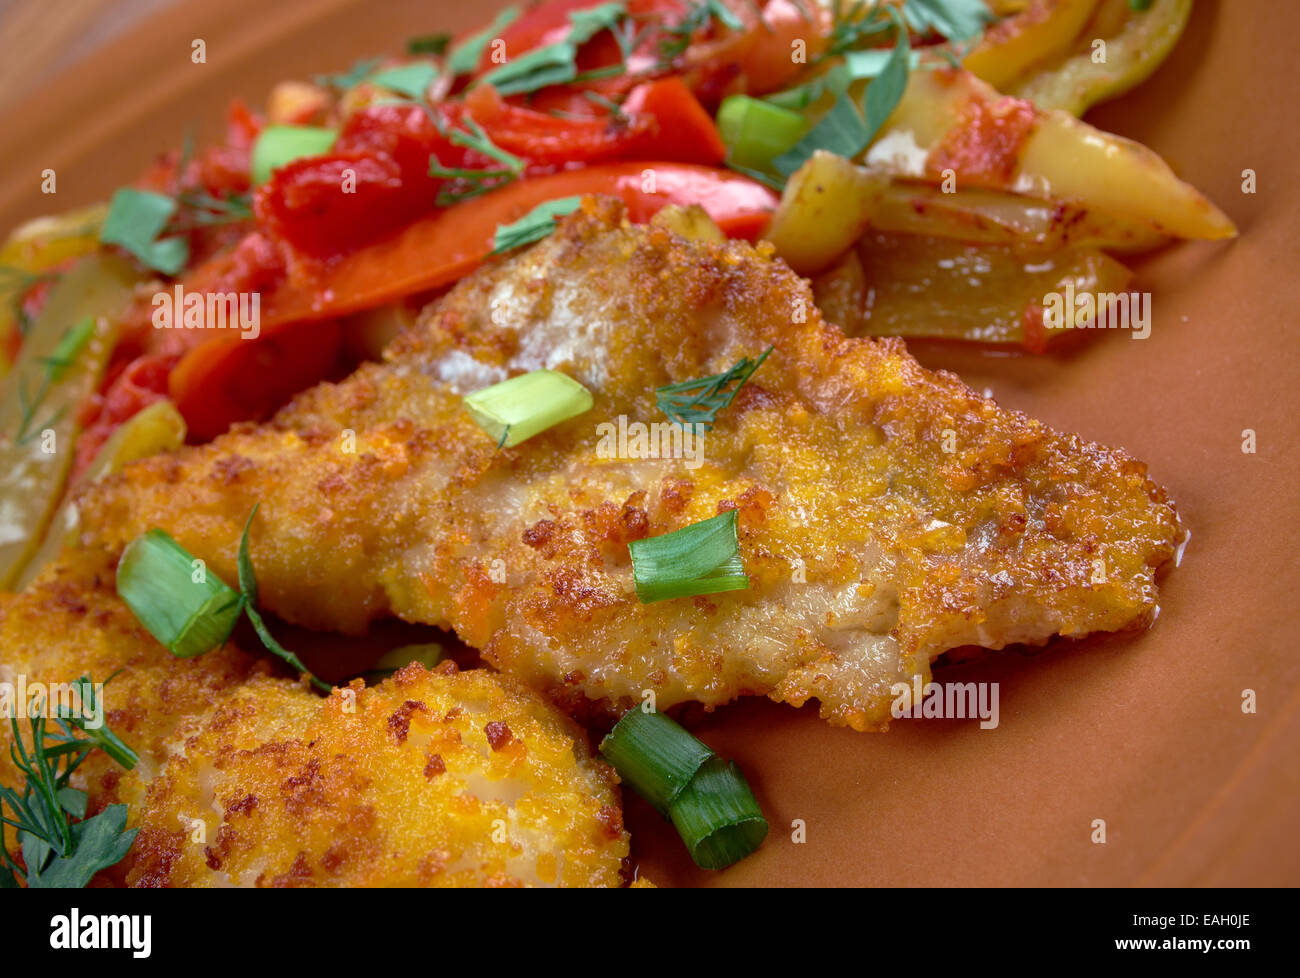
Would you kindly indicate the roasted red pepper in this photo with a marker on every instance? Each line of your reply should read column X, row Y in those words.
column 431, row 253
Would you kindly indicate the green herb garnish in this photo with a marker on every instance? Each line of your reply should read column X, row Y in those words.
column 707, row 798
column 136, row 219
column 703, row 558
column 516, row 409
column 700, row 14
column 192, row 617
column 957, row 20
column 411, row 80
column 58, row 852
column 474, row 182
column 465, row 58
column 428, row 44
column 843, row 130
column 555, row 64
column 352, row 77
column 52, row 368
column 699, row 401
column 533, row 226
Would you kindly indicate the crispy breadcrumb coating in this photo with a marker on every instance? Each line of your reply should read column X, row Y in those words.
column 439, row 778
column 887, row 513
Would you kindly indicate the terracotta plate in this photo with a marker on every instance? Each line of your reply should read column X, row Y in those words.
column 1146, row 732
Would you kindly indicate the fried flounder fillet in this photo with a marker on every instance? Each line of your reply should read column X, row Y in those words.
column 886, row 513
column 428, row 779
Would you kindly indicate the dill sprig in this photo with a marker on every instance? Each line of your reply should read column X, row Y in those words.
column 52, row 369
column 18, row 283
column 698, row 401
column 58, row 852
column 700, row 15
column 471, row 182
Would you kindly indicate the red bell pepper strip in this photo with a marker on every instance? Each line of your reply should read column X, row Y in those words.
column 217, row 383
column 435, row 251
column 446, row 245
column 684, row 131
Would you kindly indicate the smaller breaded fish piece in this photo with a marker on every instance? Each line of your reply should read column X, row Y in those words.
column 886, row 513
column 439, row 778
column 428, row 779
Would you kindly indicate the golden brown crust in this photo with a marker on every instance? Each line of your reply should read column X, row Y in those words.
column 886, row 513
column 245, row 779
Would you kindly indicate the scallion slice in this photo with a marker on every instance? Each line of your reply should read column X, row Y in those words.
column 516, row 409
column 277, row 146
column 706, row 798
column 703, row 558
column 155, row 577
column 756, row 132
column 654, row 756
column 717, row 816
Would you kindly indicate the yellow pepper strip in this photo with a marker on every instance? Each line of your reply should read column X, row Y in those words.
column 974, row 293
column 39, row 400
column 1011, row 48
column 156, row 428
column 1078, row 81
column 35, row 248
column 1062, row 159
column 829, row 202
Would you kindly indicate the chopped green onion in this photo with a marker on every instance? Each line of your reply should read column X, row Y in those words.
column 411, row 80
column 248, row 599
column 718, row 817
column 706, row 797
column 703, row 558
column 464, row 58
column 698, row 401
column 155, row 577
column 755, row 132
column 277, row 146
column 533, row 226
column 135, row 219
column 516, row 409
column 654, row 756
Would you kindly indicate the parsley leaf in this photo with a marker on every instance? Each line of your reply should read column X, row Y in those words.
column 842, row 130
column 555, row 64
column 533, row 226
column 465, row 58
column 97, row 843
column 411, row 80
column 352, row 77
column 135, row 220
column 957, row 20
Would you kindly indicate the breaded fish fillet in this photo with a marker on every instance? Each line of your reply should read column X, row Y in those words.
column 428, row 779
column 886, row 513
